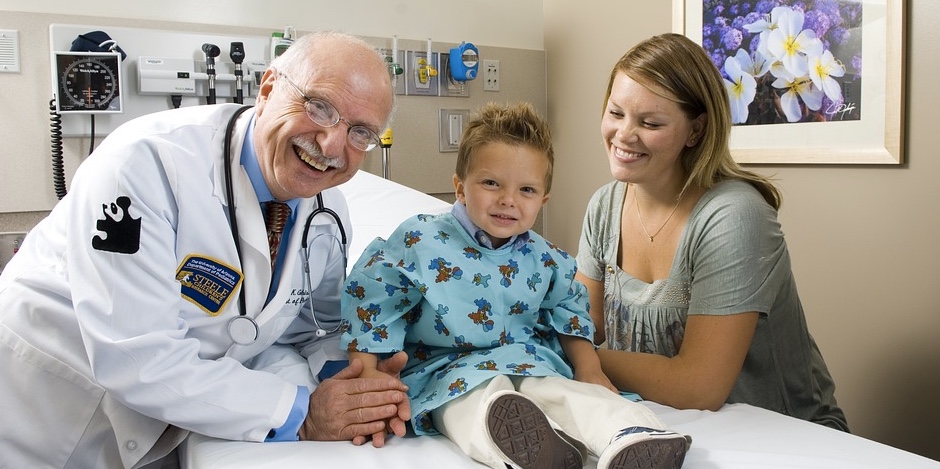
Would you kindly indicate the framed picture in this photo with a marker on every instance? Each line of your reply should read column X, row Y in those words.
column 810, row 81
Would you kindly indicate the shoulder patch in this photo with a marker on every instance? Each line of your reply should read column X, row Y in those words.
column 207, row 282
column 122, row 231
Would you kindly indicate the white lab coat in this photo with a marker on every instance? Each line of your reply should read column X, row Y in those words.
column 99, row 350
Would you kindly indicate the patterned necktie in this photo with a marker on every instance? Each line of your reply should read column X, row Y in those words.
column 276, row 218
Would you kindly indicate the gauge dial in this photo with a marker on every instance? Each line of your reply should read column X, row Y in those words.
column 88, row 82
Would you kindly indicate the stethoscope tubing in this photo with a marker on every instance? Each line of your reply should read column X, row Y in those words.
column 230, row 197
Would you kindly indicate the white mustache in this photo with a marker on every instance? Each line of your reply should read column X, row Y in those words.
column 313, row 155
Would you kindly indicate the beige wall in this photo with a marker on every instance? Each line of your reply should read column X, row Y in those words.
column 863, row 239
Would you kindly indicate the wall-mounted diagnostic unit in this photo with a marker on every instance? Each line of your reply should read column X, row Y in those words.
column 88, row 82
column 464, row 62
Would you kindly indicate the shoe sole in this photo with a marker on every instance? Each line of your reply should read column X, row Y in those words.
column 651, row 454
column 523, row 434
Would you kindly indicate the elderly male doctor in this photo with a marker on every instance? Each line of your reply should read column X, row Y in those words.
column 121, row 323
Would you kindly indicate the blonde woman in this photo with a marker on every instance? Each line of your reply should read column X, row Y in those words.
column 686, row 265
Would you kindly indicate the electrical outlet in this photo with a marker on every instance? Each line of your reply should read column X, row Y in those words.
column 491, row 75
column 9, row 244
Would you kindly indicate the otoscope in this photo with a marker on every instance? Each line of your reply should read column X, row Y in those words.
column 212, row 51
column 237, row 53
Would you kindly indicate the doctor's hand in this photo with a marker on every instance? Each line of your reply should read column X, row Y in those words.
column 351, row 407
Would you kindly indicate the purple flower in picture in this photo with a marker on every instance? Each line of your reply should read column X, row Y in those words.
column 732, row 39
column 763, row 7
column 851, row 13
column 839, row 35
column 818, row 22
column 857, row 65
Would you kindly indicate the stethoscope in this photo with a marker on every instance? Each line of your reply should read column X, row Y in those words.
column 243, row 329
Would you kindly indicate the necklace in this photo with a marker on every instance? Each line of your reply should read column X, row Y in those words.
column 643, row 224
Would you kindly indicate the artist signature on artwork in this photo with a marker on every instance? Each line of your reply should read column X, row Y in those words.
column 840, row 109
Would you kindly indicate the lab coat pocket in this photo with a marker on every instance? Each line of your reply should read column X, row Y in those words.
column 59, row 398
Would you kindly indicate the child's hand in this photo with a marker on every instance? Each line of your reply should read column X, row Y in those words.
column 393, row 366
column 396, row 424
column 595, row 376
column 584, row 360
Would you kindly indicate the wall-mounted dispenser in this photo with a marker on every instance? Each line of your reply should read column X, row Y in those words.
column 464, row 62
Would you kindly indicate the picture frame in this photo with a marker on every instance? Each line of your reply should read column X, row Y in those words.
column 874, row 131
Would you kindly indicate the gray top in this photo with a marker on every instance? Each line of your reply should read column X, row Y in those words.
column 732, row 258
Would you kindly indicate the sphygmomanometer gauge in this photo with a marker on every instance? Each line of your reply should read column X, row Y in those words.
column 88, row 82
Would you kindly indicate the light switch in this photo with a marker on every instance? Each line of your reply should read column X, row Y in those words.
column 452, row 122
column 455, row 129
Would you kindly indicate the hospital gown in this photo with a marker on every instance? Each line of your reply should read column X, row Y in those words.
column 462, row 312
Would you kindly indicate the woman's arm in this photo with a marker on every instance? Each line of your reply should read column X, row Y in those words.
column 700, row 376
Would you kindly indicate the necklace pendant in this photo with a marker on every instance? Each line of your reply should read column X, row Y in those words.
column 651, row 239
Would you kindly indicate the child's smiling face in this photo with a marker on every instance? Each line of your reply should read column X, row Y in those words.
column 504, row 189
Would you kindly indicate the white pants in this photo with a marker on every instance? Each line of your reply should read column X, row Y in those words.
column 590, row 414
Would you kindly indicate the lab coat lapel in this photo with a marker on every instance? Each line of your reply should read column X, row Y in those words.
column 253, row 238
column 256, row 264
column 255, row 255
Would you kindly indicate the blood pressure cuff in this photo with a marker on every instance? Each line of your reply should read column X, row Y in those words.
column 96, row 41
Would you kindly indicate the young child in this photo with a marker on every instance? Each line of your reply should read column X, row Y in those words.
column 496, row 328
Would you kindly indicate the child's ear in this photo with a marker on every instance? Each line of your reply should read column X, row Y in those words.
column 545, row 199
column 459, row 189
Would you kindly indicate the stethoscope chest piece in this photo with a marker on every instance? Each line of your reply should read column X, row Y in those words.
column 243, row 330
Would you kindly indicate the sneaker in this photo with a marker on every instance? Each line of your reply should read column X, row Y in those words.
column 524, row 437
column 645, row 448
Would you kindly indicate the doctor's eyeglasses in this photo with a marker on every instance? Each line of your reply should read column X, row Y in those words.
column 324, row 114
